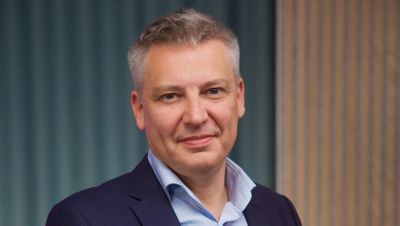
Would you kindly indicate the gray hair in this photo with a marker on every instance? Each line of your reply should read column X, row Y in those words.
column 178, row 28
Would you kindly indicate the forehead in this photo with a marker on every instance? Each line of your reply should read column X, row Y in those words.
column 187, row 63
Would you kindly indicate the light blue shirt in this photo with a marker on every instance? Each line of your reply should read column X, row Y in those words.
column 189, row 209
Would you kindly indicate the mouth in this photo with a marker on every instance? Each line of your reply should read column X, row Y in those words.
column 197, row 141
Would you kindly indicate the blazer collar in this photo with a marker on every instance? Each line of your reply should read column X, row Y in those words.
column 150, row 204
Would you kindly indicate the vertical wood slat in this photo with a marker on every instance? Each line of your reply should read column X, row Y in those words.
column 298, row 93
column 364, row 84
column 391, row 64
column 324, row 183
column 338, row 110
column 377, row 114
column 285, row 163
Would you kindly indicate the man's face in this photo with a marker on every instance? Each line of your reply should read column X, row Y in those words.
column 190, row 105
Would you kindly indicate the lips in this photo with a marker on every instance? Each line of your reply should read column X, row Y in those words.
column 197, row 141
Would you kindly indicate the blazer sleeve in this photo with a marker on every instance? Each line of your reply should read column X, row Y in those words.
column 293, row 211
column 64, row 215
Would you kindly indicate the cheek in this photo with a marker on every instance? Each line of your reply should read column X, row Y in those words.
column 162, row 120
column 225, row 117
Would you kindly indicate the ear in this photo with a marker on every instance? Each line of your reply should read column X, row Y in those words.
column 137, row 108
column 240, row 98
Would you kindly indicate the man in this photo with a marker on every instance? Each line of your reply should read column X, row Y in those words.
column 188, row 99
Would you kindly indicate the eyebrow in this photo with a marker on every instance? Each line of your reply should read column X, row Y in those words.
column 222, row 81
column 163, row 88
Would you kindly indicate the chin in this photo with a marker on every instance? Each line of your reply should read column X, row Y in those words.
column 206, row 160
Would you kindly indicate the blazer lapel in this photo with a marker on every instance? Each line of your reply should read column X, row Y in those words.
column 255, row 215
column 150, row 204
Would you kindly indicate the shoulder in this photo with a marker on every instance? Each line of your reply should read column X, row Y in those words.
column 94, row 205
column 261, row 192
column 277, row 207
column 110, row 203
column 105, row 193
column 107, row 204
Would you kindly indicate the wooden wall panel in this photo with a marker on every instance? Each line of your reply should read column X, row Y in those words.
column 338, row 110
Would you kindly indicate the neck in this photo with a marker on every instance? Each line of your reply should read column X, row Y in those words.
column 210, row 190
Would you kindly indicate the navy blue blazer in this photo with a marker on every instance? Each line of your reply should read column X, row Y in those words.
column 137, row 198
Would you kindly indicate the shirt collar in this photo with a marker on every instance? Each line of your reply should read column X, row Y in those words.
column 239, row 185
column 165, row 176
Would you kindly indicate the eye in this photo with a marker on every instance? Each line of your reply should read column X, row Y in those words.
column 214, row 91
column 168, row 97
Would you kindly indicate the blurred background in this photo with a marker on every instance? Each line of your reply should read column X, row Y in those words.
column 322, row 122
column 65, row 117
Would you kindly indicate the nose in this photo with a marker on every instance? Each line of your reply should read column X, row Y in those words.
column 195, row 113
